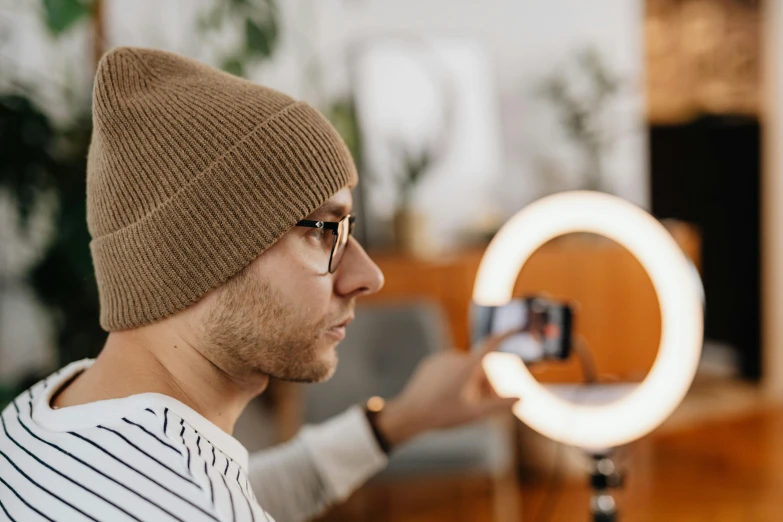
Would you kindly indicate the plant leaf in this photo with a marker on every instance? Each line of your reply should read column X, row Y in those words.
column 259, row 39
column 211, row 20
column 233, row 66
column 61, row 15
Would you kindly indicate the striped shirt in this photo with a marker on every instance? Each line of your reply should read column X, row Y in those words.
column 149, row 457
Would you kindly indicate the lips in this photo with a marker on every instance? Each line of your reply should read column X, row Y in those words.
column 338, row 331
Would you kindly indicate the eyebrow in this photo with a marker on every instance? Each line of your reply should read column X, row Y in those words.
column 335, row 210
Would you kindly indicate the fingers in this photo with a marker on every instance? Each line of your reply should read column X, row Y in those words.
column 490, row 344
column 495, row 405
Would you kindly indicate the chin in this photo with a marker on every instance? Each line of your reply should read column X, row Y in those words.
column 320, row 370
column 326, row 376
column 329, row 365
column 312, row 376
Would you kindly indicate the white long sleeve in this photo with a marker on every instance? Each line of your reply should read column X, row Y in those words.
column 322, row 465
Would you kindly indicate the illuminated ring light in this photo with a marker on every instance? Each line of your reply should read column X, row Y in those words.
column 652, row 401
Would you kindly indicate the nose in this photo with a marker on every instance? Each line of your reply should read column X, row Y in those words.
column 357, row 274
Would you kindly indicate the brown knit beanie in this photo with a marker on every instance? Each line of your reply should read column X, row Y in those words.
column 192, row 173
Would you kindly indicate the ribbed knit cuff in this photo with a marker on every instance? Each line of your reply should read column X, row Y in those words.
column 222, row 220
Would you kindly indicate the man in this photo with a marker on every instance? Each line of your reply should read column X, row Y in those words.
column 220, row 219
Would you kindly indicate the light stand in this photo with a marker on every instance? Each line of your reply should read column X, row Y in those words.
column 680, row 300
column 604, row 477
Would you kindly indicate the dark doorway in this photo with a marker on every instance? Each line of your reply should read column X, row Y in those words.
column 707, row 172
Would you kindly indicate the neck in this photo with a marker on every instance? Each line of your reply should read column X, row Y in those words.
column 159, row 359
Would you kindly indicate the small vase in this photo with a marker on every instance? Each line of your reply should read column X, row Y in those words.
column 410, row 233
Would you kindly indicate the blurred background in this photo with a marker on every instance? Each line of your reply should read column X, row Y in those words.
column 459, row 114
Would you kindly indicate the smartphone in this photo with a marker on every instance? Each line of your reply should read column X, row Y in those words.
column 543, row 326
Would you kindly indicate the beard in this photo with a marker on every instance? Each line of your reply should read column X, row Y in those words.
column 251, row 329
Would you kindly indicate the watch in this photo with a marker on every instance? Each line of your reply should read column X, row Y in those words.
column 372, row 408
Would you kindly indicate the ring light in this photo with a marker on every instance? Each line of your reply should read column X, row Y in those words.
column 650, row 403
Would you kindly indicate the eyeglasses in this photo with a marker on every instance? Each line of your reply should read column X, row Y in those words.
column 341, row 230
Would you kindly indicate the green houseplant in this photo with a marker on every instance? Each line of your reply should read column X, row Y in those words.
column 582, row 113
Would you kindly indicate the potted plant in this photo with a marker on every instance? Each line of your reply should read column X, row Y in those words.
column 410, row 225
column 583, row 114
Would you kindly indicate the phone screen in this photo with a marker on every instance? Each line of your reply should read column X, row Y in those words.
column 543, row 326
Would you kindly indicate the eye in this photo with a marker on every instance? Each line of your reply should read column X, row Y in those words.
column 319, row 235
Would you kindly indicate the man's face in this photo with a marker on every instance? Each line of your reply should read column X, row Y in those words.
column 284, row 314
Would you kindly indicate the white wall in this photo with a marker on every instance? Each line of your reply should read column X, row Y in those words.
column 525, row 41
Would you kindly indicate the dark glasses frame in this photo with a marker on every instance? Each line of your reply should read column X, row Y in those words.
column 336, row 227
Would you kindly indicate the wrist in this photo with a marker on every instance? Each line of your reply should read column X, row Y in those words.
column 396, row 423
column 372, row 409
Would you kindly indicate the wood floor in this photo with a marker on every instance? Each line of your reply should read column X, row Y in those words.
column 720, row 470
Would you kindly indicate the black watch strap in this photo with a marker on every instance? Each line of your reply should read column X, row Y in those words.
column 371, row 410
